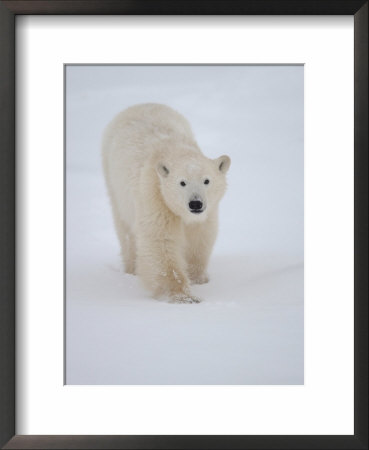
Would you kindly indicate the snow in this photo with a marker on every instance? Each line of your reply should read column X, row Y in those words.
column 250, row 327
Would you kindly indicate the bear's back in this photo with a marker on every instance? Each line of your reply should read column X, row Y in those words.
column 138, row 136
column 155, row 117
column 137, row 132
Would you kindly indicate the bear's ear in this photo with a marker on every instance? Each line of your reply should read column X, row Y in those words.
column 162, row 170
column 223, row 163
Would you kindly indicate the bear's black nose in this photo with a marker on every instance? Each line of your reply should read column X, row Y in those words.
column 195, row 205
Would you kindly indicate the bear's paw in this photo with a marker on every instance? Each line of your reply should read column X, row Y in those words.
column 185, row 298
column 199, row 279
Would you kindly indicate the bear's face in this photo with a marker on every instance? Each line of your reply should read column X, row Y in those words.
column 191, row 187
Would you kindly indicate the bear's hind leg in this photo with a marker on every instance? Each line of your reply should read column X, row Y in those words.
column 126, row 237
column 127, row 244
column 128, row 249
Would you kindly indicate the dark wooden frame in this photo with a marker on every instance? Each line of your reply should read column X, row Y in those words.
column 8, row 11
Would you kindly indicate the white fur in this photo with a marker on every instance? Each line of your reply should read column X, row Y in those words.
column 147, row 151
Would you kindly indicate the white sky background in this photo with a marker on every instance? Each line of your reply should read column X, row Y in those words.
column 249, row 329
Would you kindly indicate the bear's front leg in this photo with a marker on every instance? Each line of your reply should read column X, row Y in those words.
column 200, row 240
column 161, row 266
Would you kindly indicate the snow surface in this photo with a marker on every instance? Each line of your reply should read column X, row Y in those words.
column 249, row 328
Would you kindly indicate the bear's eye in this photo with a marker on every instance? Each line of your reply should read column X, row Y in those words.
column 206, row 181
column 183, row 183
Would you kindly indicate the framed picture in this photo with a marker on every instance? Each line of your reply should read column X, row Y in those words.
column 276, row 354
column 199, row 352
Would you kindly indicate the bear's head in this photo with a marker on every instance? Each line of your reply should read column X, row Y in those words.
column 192, row 186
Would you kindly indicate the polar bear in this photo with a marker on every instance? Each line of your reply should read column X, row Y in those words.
column 164, row 194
